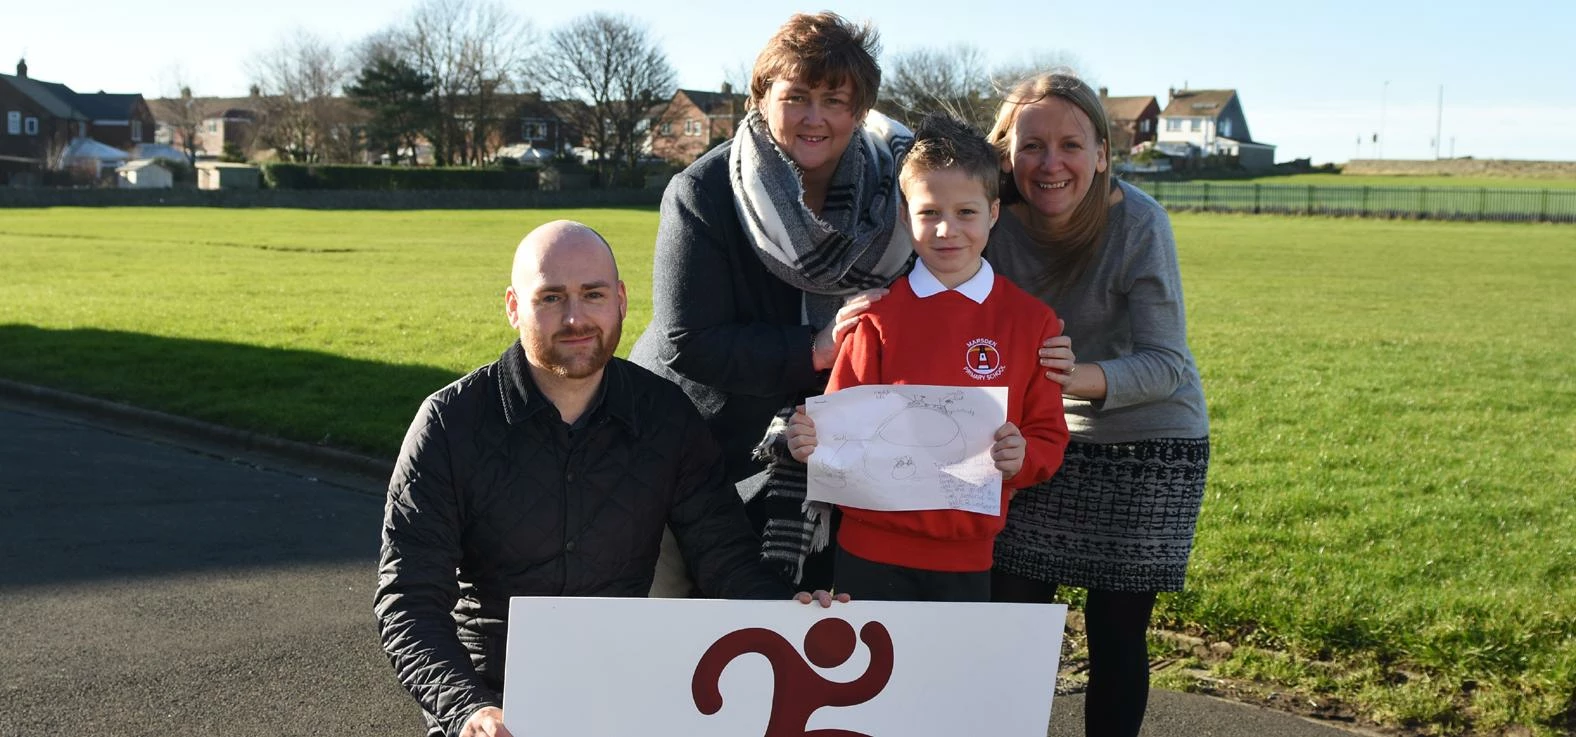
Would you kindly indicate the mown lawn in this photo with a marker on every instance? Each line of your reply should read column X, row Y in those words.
column 1398, row 180
column 1389, row 513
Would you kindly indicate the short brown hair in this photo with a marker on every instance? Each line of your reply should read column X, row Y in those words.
column 942, row 142
column 823, row 48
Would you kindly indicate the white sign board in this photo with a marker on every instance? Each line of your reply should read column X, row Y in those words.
column 712, row 668
column 906, row 447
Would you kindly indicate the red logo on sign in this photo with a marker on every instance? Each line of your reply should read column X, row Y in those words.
column 797, row 690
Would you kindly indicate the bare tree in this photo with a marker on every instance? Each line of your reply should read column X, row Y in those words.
column 1006, row 75
column 474, row 52
column 179, row 110
column 301, row 118
column 612, row 65
column 957, row 81
column 952, row 81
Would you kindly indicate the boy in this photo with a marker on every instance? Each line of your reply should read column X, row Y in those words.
column 952, row 322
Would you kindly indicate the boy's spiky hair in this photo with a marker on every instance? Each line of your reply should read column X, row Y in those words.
column 943, row 142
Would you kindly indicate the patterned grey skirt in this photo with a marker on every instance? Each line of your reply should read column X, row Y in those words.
column 1116, row 517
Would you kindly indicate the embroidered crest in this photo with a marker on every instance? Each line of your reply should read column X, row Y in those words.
column 982, row 361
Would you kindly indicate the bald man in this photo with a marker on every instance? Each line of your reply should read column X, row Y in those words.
column 549, row 472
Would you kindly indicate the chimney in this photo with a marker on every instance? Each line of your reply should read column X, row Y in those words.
column 1105, row 91
column 21, row 68
column 256, row 91
column 1171, row 94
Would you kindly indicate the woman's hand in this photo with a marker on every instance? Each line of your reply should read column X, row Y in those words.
column 801, row 435
column 1056, row 356
column 1078, row 380
column 824, row 352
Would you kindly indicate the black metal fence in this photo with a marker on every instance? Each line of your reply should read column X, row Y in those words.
column 1432, row 203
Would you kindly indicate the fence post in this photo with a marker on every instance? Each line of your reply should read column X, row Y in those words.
column 1206, row 196
column 1422, row 203
column 1543, row 208
column 1364, row 211
column 1256, row 186
column 1309, row 209
column 1482, row 201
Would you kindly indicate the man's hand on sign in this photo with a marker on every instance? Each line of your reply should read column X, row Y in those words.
column 486, row 722
column 824, row 598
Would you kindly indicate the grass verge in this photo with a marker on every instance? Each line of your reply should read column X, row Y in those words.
column 1389, row 513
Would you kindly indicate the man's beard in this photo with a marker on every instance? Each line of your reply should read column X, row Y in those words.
column 577, row 362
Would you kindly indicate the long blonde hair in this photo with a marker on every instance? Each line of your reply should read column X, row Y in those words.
column 1069, row 253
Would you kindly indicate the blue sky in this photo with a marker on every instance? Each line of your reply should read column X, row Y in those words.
column 1313, row 77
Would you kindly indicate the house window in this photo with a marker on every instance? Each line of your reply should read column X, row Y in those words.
column 1195, row 124
column 692, row 127
column 212, row 126
column 667, row 129
column 13, row 123
column 136, row 130
column 1145, row 125
column 1173, row 124
column 1225, row 128
column 30, row 126
column 534, row 130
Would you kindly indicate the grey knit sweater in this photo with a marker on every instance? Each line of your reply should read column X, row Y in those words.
column 1126, row 315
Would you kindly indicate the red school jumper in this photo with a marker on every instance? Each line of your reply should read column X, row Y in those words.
column 985, row 332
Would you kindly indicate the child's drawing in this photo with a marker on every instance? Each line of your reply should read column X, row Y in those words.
column 907, row 447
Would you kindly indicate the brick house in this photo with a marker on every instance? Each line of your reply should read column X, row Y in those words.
column 214, row 123
column 38, row 119
column 694, row 121
column 544, row 124
column 1133, row 120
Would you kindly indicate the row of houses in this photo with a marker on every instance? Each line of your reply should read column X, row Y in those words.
column 530, row 128
column 48, row 126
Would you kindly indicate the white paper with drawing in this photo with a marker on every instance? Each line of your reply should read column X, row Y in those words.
column 907, row 447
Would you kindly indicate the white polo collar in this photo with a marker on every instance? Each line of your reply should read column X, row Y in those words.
column 977, row 288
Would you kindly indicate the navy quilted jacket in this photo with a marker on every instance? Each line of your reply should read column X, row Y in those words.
column 490, row 483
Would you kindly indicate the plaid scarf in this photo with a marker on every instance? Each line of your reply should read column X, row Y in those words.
column 855, row 244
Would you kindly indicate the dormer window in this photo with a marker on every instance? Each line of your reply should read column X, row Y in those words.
column 136, row 130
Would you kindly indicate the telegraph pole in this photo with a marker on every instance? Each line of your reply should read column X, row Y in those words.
column 1383, row 93
column 1439, row 122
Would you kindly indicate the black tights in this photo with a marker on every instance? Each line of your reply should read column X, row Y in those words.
column 1116, row 623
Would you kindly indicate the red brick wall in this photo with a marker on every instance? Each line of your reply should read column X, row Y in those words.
column 22, row 144
column 675, row 145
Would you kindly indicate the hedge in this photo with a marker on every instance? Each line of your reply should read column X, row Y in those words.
column 394, row 178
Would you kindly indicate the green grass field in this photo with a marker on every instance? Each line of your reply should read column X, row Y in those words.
column 1389, row 519
column 1375, row 180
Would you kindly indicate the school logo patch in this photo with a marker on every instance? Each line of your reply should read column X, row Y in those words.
column 982, row 361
